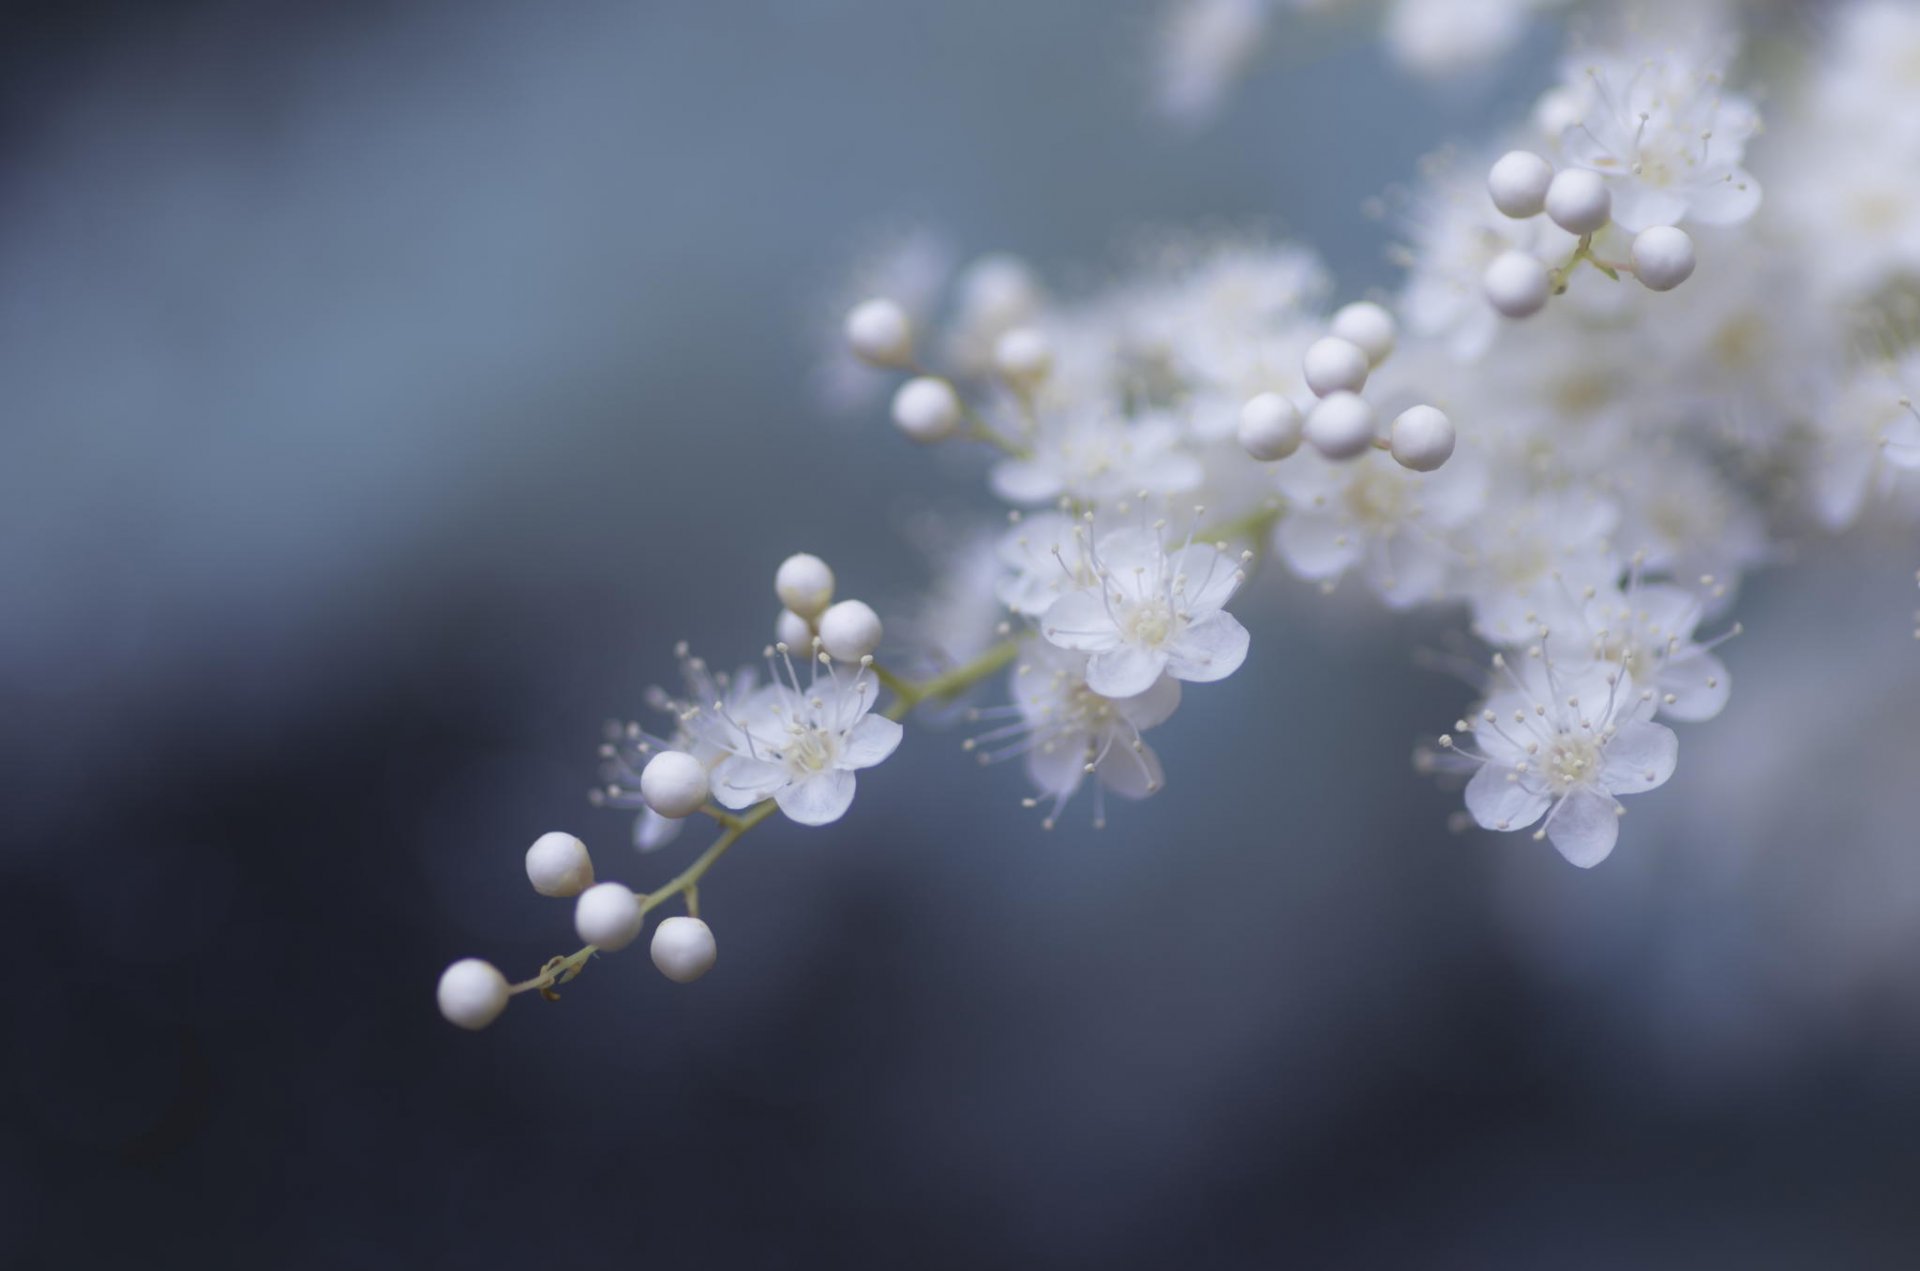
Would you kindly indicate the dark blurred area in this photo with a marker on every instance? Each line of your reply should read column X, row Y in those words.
column 384, row 388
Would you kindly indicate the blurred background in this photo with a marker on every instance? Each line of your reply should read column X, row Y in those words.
column 386, row 386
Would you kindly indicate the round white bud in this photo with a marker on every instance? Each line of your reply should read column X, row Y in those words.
column 1662, row 257
column 1369, row 326
column 1334, row 365
column 608, row 916
column 1518, row 184
column 1579, row 201
column 793, row 631
column 558, row 865
column 926, row 409
column 674, row 784
column 850, row 630
column 880, row 334
column 683, row 949
column 1517, row 284
column 472, row 993
column 1269, row 427
column 1340, row 425
column 1421, row 438
column 1023, row 356
column 804, row 584
column 997, row 290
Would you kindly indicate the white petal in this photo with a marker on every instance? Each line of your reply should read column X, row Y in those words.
column 1585, row 827
column 1079, row 620
column 1318, row 545
column 1636, row 207
column 1211, row 576
column 1152, row 707
column 1666, row 611
column 1128, row 550
column 740, row 781
column 1124, row 671
column 1698, row 685
column 1210, row 649
column 1499, row 804
column 1058, row 768
column 1026, row 481
column 819, row 799
column 651, row 831
column 1130, row 773
column 1727, row 201
column 870, row 741
column 1640, row 757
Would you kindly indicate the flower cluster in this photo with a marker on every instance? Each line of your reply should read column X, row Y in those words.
column 1582, row 485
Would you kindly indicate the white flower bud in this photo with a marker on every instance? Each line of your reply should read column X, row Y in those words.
column 674, row 784
column 608, row 916
column 804, row 584
column 1023, row 356
column 1422, row 438
column 926, row 409
column 558, row 865
column 1269, row 427
column 1369, row 326
column 472, row 993
column 1518, row 184
column 1333, row 365
column 1579, row 201
column 1517, row 284
column 997, row 291
column 793, row 631
column 683, row 949
column 1340, row 425
column 1662, row 257
column 880, row 334
column 850, row 630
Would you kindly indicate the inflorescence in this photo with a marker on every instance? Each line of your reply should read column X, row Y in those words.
column 1583, row 470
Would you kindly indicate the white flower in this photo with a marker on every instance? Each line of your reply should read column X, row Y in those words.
column 700, row 729
column 1096, row 457
column 1647, row 630
column 1150, row 612
column 1869, row 440
column 1564, row 742
column 1045, row 557
column 1528, row 552
column 1066, row 731
column 1380, row 517
column 801, row 748
column 1667, row 137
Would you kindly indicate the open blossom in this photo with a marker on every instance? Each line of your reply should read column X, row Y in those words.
column 1044, row 557
column 1150, row 612
column 1380, row 518
column 801, row 748
column 1869, row 442
column 1066, row 732
column 1564, row 742
column 699, row 729
column 1666, row 135
column 1094, row 457
column 1647, row 630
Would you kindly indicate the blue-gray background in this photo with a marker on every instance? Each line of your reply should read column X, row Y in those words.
column 384, row 388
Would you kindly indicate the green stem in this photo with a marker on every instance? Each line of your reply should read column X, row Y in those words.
column 908, row 695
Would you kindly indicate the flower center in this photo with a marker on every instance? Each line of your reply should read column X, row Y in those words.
column 1571, row 760
column 1150, row 622
column 809, row 750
